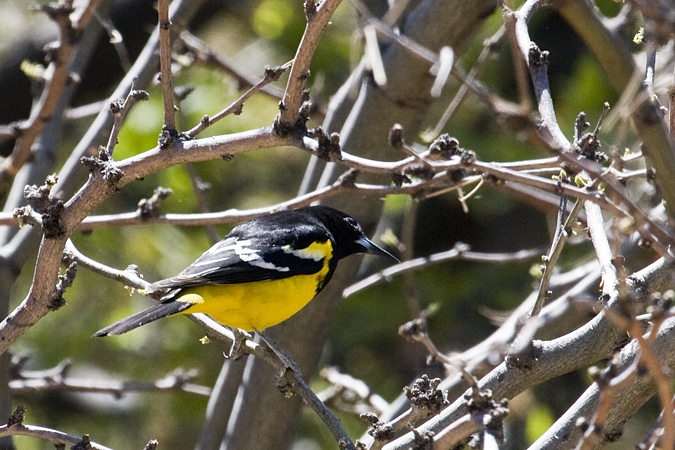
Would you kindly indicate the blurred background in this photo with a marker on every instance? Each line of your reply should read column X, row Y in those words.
column 469, row 297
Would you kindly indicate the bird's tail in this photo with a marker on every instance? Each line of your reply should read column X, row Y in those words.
column 151, row 314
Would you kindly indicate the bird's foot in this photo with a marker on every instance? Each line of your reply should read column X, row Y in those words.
column 240, row 338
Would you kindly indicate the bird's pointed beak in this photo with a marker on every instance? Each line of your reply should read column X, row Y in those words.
column 373, row 249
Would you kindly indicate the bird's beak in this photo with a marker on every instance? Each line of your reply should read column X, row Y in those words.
column 373, row 249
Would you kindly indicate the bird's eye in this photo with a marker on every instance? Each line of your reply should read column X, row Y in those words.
column 352, row 222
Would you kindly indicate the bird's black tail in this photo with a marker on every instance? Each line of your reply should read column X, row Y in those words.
column 151, row 314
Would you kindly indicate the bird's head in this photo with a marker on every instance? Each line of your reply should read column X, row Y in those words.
column 348, row 235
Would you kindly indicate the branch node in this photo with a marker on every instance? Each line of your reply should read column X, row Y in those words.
column 38, row 197
column 50, row 208
column 310, row 9
column 399, row 179
column 423, row 441
column 17, row 416
column 660, row 304
column 358, row 444
column 104, row 165
column 587, row 144
column 537, row 57
column 149, row 207
column 487, row 412
column 348, row 179
column 65, row 281
column 424, row 172
column 168, row 137
column 329, row 146
column 380, row 431
column 425, row 395
column 26, row 216
column 116, row 107
column 525, row 358
column 84, row 444
column 413, row 328
column 444, row 147
column 274, row 73
column 396, row 136
column 139, row 95
column 298, row 130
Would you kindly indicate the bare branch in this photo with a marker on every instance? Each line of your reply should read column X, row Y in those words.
column 317, row 19
column 459, row 252
column 177, row 381
column 550, row 260
column 57, row 77
column 595, row 340
column 166, row 76
column 15, row 427
column 271, row 74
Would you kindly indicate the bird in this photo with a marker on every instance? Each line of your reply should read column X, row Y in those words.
column 261, row 273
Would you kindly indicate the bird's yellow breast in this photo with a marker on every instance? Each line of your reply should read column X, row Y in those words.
column 261, row 304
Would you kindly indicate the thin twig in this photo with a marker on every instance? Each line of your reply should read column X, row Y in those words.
column 57, row 77
column 593, row 435
column 117, row 42
column 519, row 67
column 166, row 76
column 459, row 252
column 408, row 233
column 119, row 113
column 81, row 17
column 317, row 19
column 271, row 75
column 603, row 251
column 54, row 436
column 85, row 111
column 173, row 382
column 373, row 60
column 129, row 277
column 551, row 258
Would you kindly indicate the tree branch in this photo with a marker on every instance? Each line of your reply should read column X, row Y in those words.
column 317, row 19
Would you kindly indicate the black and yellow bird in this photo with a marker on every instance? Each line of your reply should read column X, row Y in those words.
column 261, row 273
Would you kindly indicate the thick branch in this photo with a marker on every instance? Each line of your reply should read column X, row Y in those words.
column 596, row 340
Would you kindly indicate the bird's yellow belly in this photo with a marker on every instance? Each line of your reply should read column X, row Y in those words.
column 256, row 305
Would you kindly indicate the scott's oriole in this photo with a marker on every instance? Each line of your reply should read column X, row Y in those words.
column 261, row 273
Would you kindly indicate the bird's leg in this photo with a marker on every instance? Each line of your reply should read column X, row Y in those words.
column 240, row 338
column 286, row 361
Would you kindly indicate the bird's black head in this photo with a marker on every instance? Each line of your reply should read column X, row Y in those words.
column 348, row 235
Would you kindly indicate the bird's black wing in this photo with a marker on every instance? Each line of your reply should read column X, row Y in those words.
column 237, row 259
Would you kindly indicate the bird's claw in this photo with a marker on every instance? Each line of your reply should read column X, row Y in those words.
column 240, row 338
